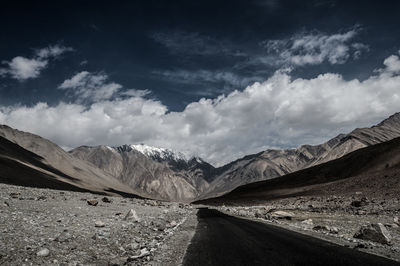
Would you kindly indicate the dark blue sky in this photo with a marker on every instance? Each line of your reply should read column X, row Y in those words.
column 182, row 51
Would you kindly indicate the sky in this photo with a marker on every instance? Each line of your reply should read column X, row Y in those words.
column 215, row 79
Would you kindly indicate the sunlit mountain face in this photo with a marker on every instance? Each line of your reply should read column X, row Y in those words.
column 209, row 79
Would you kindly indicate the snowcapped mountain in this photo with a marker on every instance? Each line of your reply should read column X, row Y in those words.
column 156, row 172
column 152, row 152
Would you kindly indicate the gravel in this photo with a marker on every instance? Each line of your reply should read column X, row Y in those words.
column 51, row 227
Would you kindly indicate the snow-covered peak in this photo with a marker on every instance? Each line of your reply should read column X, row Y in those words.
column 154, row 152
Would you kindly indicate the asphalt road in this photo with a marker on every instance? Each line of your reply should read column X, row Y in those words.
column 221, row 239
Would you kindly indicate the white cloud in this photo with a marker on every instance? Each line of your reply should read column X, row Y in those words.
column 280, row 112
column 89, row 86
column 315, row 48
column 22, row 68
column 52, row 51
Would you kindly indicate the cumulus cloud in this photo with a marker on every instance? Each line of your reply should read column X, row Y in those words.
column 279, row 112
column 315, row 48
column 22, row 68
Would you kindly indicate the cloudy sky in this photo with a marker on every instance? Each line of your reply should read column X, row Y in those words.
column 208, row 78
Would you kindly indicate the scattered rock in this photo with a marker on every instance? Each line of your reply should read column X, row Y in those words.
column 326, row 228
column 43, row 252
column 242, row 213
column 333, row 230
column 92, row 202
column 308, row 222
column 360, row 245
column 131, row 215
column 374, row 232
column 106, row 200
column 99, row 224
column 6, row 204
column 160, row 226
column 173, row 223
column 41, row 198
column 143, row 252
column 359, row 203
column 63, row 237
column 281, row 215
column 321, row 228
column 14, row 195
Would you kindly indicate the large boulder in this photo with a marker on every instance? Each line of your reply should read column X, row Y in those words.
column 374, row 232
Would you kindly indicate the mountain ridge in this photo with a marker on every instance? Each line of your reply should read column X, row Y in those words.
column 168, row 175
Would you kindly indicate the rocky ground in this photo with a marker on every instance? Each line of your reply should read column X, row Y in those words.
column 51, row 227
column 345, row 220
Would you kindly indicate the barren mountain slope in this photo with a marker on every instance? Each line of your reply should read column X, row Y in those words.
column 85, row 175
column 24, row 168
column 157, row 173
column 274, row 163
column 373, row 170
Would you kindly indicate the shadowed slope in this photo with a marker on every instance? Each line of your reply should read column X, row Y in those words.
column 369, row 169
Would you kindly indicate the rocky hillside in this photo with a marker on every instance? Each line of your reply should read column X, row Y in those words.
column 274, row 163
column 157, row 173
column 37, row 159
column 372, row 171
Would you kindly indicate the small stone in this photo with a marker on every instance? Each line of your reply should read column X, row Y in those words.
column 307, row 222
column 131, row 215
column 173, row 223
column 41, row 198
column 360, row 245
column 321, row 228
column 281, row 215
column 106, row 200
column 43, row 252
column 242, row 213
column 374, row 232
column 396, row 220
column 143, row 252
column 99, row 224
column 92, row 202
column 14, row 195
column 333, row 230
column 6, row 204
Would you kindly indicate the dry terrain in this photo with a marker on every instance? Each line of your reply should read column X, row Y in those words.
column 51, row 227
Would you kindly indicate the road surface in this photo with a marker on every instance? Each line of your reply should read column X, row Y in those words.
column 221, row 239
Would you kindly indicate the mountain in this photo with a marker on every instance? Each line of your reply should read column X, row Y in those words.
column 167, row 175
column 24, row 168
column 373, row 170
column 22, row 151
column 274, row 163
column 158, row 173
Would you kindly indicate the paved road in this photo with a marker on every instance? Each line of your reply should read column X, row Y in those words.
column 225, row 240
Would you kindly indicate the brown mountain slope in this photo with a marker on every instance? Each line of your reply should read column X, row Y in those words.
column 373, row 170
column 274, row 163
column 24, row 168
column 82, row 174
